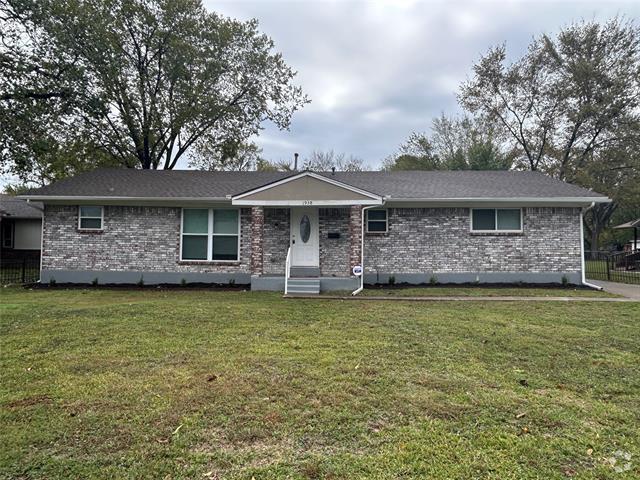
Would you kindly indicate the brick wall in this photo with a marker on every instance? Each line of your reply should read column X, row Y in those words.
column 334, row 252
column 134, row 239
column 418, row 241
column 276, row 240
column 438, row 240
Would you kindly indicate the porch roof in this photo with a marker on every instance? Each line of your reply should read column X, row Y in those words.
column 307, row 188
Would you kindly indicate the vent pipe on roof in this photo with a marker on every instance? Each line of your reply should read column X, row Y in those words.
column 295, row 161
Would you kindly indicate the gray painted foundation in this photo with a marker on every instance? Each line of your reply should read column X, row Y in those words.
column 276, row 283
column 574, row 278
column 149, row 278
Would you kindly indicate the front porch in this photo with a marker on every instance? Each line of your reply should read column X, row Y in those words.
column 306, row 234
column 315, row 248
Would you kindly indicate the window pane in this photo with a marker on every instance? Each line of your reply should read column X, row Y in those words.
column 484, row 219
column 194, row 247
column 94, row 223
column 225, row 221
column 195, row 220
column 377, row 214
column 91, row 211
column 508, row 219
column 377, row 227
column 225, row 248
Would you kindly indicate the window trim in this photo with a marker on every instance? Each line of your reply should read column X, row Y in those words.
column 496, row 230
column 210, row 234
column 12, row 236
column 80, row 217
column 386, row 220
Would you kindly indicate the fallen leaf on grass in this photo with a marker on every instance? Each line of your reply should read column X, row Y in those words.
column 520, row 415
column 177, row 429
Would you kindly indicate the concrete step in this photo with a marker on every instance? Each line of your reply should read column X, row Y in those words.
column 303, row 286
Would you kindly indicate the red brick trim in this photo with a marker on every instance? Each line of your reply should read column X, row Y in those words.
column 257, row 237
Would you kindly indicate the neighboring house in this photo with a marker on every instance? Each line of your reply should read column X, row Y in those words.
column 20, row 228
column 120, row 226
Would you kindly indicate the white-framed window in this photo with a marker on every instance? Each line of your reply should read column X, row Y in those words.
column 7, row 234
column 496, row 220
column 377, row 221
column 90, row 217
column 210, row 234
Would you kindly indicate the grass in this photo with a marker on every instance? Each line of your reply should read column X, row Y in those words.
column 190, row 384
column 477, row 291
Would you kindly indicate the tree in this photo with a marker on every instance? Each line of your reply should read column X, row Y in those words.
column 469, row 143
column 143, row 80
column 614, row 171
column 455, row 144
column 320, row 161
column 317, row 161
column 566, row 97
column 417, row 153
column 231, row 156
column 571, row 106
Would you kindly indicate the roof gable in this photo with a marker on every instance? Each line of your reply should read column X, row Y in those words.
column 307, row 188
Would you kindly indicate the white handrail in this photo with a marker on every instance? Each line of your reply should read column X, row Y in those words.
column 287, row 271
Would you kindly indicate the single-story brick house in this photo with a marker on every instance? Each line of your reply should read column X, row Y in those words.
column 319, row 230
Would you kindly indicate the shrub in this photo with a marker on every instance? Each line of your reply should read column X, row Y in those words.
column 433, row 280
column 565, row 281
column 94, row 282
column 52, row 282
column 141, row 281
column 183, row 282
column 392, row 280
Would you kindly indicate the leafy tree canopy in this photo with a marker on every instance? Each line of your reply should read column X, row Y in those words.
column 138, row 83
column 454, row 144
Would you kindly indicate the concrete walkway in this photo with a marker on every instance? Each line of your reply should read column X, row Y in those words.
column 469, row 299
column 624, row 289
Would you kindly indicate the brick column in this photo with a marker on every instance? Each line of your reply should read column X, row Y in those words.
column 257, row 236
column 355, row 236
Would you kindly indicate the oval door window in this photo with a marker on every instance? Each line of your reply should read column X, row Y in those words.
column 305, row 229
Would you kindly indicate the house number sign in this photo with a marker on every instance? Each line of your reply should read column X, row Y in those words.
column 307, row 202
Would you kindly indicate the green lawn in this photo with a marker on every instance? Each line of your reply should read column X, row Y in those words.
column 235, row 385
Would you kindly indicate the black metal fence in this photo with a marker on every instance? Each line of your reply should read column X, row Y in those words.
column 623, row 267
column 19, row 271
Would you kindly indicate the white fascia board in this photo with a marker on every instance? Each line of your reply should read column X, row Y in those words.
column 131, row 201
column 303, row 203
column 500, row 201
column 307, row 174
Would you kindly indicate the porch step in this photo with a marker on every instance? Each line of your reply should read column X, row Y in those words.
column 305, row 286
column 305, row 272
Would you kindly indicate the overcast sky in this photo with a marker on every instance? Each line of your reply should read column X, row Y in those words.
column 378, row 70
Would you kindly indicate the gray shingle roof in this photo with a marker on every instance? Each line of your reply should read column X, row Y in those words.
column 17, row 208
column 396, row 185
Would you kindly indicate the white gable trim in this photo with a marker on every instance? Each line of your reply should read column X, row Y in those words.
column 375, row 199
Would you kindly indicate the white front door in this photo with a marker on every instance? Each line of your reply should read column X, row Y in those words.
column 304, row 237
